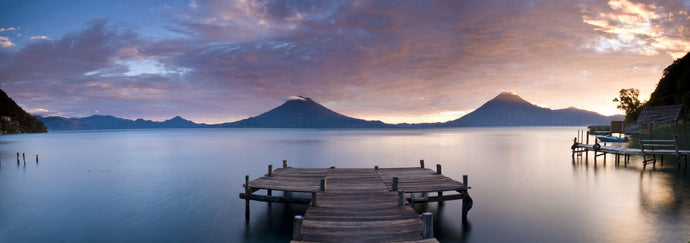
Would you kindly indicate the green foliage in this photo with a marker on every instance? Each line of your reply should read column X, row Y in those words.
column 629, row 102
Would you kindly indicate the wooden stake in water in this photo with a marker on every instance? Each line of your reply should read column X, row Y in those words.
column 438, row 169
column 24, row 157
column 421, row 163
column 18, row 160
column 36, row 158
column 246, row 191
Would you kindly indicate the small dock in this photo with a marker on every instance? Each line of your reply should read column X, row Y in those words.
column 359, row 204
column 649, row 149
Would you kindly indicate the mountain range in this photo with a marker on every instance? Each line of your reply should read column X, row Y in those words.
column 506, row 109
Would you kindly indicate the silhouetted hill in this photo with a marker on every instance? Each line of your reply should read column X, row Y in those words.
column 302, row 112
column 99, row 122
column 13, row 119
column 674, row 86
column 509, row 109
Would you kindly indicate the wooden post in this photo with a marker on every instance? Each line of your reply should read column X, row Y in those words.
column 421, row 163
column 284, row 163
column 313, row 198
column 376, row 167
column 401, row 197
column 438, row 169
column 440, row 196
column 246, row 191
column 332, row 167
column 322, row 186
column 466, row 200
column 36, row 158
column 18, row 160
column 394, row 185
column 24, row 157
column 427, row 225
column 297, row 228
column 270, row 170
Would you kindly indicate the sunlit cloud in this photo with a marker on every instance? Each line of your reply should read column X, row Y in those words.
column 6, row 42
column 9, row 29
column 645, row 29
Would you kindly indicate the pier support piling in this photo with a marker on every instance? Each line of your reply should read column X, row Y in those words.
column 297, row 228
column 427, row 225
column 285, row 164
column 270, row 170
column 421, row 163
column 401, row 197
column 313, row 198
column 247, row 191
column 438, row 169
column 322, row 185
column 394, row 184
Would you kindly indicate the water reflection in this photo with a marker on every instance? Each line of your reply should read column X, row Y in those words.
column 663, row 197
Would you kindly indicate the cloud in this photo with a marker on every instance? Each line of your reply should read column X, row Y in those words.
column 378, row 59
column 641, row 28
column 41, row 37
column 6, row 42
column 9, row 29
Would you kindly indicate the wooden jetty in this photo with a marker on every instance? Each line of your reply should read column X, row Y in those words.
column 359, row 204
column 649, row 149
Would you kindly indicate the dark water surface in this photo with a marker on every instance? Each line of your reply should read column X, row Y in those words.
column 182, row 185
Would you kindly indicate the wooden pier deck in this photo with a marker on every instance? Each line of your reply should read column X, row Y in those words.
column 625, row 153
column 358, row 204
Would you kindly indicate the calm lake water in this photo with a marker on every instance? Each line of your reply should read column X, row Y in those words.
column 182, row 185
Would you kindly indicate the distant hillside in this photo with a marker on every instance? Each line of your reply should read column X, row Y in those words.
column 509, row 109
column 13, row 119
column 98, row 122
column 302, row 112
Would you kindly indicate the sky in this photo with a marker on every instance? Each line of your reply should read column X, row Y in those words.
column 395, row 61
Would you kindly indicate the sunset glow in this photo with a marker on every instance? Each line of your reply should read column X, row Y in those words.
column 395, row 61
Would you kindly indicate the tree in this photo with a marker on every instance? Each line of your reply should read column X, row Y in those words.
column 629, row 102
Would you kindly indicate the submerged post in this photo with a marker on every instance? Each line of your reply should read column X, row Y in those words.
column 247, row 192
column 297, row 228
column 401, row 197
column 394, row 184
column 284, row 163
column 322, row 186
column 18, row 160
column 421, row 163
column 24, row 157
column 36, row 158
column 438, row 169
column 427, row 225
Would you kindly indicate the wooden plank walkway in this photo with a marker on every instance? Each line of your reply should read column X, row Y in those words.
column 356, row 204
column 602, row 150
